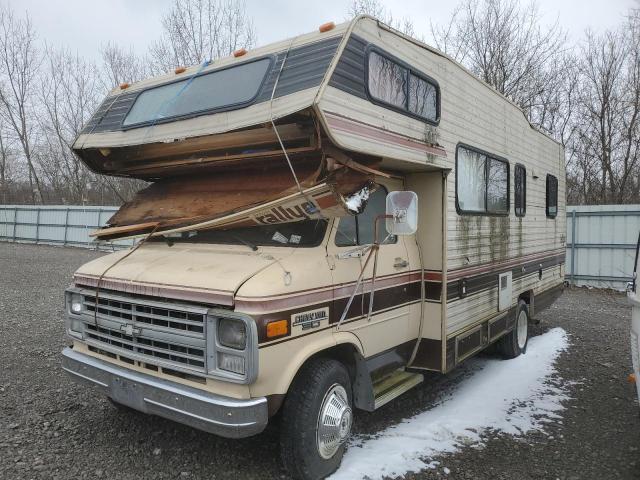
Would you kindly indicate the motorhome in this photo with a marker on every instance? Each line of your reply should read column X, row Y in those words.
column 633, row 293
column 327, row 218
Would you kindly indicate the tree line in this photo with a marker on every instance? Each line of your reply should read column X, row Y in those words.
column 586, row 94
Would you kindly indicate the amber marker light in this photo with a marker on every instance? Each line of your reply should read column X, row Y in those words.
column 179, row 70
column 240, row 52
column 325, row 27
column 124, row 86
column 277, row 328
column 631, row 378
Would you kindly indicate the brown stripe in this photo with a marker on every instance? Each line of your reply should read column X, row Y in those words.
column 350, row 125
column 495, row 266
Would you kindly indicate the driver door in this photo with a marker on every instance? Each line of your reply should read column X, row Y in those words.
column 393, row 319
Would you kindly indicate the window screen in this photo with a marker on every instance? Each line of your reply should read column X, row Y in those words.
column 398, row 86
column 552, row 196
column 520, row 190
column 223, row 88
column 359, row 229
column 482, row 182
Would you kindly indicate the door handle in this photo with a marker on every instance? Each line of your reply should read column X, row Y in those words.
column 401, row 263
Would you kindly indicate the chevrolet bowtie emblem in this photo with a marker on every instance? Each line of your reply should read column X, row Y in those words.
column 129, row 330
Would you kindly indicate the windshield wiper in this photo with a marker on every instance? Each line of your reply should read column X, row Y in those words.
column 244, row 242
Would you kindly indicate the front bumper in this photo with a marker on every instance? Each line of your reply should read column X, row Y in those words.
column 224, row 416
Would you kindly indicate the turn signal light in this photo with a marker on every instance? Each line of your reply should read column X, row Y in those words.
column 179, row 70
column 240, row 52
column 124, row 86
column 325, row 27
column 277, row 328
column 631, row 378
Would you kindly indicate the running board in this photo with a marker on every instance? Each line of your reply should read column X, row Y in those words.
column 393, row 386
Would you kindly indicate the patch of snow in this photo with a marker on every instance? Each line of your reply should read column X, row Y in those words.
column 510, row 396
column 356, row 202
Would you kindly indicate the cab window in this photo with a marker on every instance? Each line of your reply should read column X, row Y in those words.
column 359, row 229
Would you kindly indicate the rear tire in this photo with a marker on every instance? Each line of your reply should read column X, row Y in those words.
column 316, row 420
column 514, row 343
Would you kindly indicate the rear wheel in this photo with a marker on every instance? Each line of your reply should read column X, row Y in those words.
column 515, row 342
column 316, row 420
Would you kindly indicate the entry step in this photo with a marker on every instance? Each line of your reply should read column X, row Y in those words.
column 394, row 385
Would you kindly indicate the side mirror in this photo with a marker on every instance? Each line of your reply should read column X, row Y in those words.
column 402, row 213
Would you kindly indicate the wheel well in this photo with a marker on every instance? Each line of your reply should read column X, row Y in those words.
column 345, row 353
column 526, row 296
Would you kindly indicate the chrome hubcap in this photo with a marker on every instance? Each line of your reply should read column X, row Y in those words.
column 334, row 421
column 522, row 329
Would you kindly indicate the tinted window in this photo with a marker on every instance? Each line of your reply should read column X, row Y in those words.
column 422, row 98
column 482, row 182
column 359, row 229
column 497, row 185
column 223, row 88
column 520, row 190
column 387, row 80
column 552, row 196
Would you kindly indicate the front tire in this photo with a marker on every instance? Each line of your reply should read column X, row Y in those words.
column 514, row 343
column 316, row 420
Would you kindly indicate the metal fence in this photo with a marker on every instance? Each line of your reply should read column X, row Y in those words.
column 55, row 225
column 601, row 244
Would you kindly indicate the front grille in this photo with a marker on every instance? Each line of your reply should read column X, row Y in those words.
column 157, row 333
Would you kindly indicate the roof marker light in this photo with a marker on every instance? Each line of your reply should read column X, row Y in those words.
column 240, row 52
column 124, row 86
column 179, row 70
column 325, row 27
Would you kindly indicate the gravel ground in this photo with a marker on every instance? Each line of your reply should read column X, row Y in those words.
column 52, row 428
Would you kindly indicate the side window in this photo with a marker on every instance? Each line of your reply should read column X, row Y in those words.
column 520, row 190
column 401, row 88
column 552, row 196
column 482, row 182
column 387, row 80
column 359, row 229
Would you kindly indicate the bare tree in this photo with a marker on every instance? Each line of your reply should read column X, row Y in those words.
column 20, row 62
column 69, row 94
column 376, row 9
column 608, row 123
column 200, row 30
column 121, row 66
column 503, row 43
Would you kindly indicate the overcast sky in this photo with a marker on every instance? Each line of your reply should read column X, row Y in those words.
column 85, row 25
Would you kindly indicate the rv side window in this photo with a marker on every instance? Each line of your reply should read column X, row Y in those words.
column 401, row 88
column 520, row 190
column 482, row 182
column 387, row 80
column 359, row 229
column 552, row 196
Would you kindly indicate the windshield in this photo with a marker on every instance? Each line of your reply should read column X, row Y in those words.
column 308, row 233
column 232, row 86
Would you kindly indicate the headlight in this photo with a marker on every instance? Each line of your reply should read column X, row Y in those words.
column 232, row 334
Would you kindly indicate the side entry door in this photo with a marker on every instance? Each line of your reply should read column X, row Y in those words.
column 392, row 321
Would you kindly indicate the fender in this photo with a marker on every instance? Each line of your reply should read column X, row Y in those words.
column 279, row 364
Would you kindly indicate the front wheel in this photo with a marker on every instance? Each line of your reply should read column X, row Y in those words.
column 515, row 342
column 316, row 420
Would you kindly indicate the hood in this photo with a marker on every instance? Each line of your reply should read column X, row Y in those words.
column 189, row 272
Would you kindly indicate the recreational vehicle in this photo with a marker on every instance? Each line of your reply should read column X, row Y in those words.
column 633, row 294
column 327, row 218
